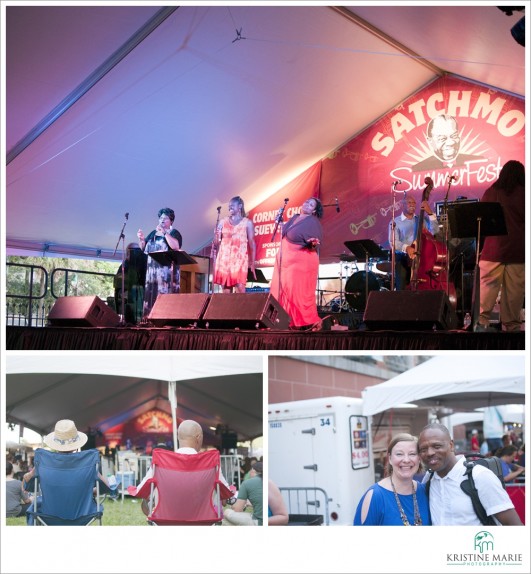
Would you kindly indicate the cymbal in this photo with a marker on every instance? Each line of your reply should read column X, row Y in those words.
column 384, row 266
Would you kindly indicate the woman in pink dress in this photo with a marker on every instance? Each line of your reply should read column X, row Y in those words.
column 234, row 241
column 296, row 270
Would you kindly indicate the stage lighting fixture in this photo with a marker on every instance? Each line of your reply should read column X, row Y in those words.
column 518, row 30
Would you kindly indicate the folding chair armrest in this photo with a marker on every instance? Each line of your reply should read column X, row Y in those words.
column 143, row 492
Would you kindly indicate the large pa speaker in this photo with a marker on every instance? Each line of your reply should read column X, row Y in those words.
column 83, row 311
column 179, row 309
column 409, row 310
column 245, row 310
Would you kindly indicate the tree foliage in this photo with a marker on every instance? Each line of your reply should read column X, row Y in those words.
column 70, row 277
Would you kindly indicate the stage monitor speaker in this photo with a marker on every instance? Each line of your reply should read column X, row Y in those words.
column 409, row 311
column 245, row 310
column 179, row 309
column 82, row 311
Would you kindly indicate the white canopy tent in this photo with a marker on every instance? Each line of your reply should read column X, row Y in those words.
column 458, row 382
column 101, row 391
column 510, row 413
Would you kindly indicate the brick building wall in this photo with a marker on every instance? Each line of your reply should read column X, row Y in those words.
column 294, row 378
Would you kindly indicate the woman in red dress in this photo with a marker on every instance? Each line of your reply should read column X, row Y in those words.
column 297, row 266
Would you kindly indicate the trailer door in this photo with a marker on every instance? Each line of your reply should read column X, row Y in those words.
column 303, row 452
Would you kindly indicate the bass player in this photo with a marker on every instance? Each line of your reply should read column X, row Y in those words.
column 402, row 235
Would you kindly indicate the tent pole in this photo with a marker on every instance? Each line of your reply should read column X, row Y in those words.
column 172, row 396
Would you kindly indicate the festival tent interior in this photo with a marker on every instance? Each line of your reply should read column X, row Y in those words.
column 113, row 112
column 460, row 383
column 103, row 391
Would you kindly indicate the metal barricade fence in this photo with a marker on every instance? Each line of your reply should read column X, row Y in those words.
column 230, row 467
column 306, row 501
column 31, row 293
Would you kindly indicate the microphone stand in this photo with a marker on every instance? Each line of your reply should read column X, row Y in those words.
column 393, row 227
column 279, row 222
column 446, row 238
column 122, row 298
column 214, row 250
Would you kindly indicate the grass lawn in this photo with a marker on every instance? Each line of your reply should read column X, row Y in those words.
column 114, row 514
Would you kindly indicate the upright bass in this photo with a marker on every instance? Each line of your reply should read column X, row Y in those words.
column 428, row 263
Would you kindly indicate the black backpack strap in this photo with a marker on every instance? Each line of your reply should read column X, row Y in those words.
column 468, row 486
column 428, row 482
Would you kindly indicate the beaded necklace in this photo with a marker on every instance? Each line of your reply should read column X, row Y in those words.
column 405, row 521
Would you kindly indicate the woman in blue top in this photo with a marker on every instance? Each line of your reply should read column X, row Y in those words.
column 398, row 499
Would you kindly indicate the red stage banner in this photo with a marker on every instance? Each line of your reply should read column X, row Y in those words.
column 263, row 217
column 154, row 421
column 476, row 129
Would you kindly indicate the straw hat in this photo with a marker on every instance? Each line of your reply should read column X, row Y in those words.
column 65, row 437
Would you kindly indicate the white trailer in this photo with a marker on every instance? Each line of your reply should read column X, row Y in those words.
column 320, row 456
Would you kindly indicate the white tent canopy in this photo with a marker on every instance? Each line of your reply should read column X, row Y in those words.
column 457, row 382
column 114, row 109
column 510, row 414
column 172, row 367
column 101, row 391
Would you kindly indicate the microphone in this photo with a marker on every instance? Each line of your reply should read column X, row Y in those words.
column 218, row 208
column 337, row 205
column 397, row 182
column 452, row 178
column 278, row 218
column 127, row 215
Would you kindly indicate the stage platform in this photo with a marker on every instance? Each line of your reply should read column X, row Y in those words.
column 194, row 339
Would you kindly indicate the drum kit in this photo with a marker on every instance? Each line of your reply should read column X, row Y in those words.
column 354, row 296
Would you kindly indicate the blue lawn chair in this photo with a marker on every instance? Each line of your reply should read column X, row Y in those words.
column 66, row 482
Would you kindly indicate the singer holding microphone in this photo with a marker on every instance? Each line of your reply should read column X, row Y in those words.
column 158, row 277
column 236, row 249
column 405, row 232
column 296, row 269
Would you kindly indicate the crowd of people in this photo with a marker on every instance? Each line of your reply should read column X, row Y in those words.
column 421, row 483
column 243, row 506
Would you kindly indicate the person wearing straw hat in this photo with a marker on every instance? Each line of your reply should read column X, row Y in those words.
column 66, row 439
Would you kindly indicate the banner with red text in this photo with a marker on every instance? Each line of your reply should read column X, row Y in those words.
column 486, row 130
column 264, row 216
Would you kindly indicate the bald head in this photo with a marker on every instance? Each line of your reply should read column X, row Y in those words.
column 190, row 434
column 436, row 449
column 409, row 206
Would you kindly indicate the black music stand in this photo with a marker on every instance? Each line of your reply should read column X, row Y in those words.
column 362, row 249
column 479, row 220
column 170, row 259
column 260, row 277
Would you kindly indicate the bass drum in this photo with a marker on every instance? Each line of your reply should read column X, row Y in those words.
column 355, row 289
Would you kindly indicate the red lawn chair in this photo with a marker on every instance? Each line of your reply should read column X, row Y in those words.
column 187, row 487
